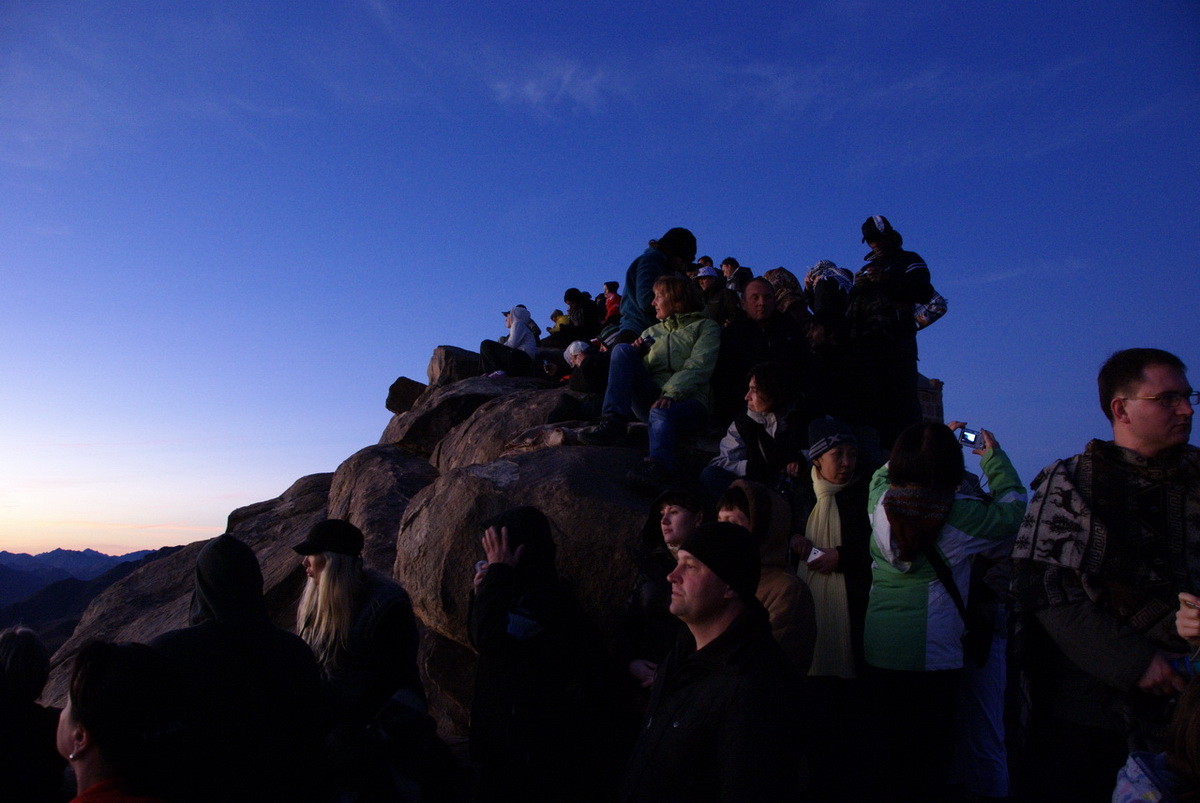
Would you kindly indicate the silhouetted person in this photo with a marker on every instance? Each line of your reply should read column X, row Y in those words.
column 251, row 692
column 665, row 256
column 30, row 767
column 542, row 696
column 119, row 725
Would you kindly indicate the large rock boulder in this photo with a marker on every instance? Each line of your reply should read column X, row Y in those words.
column 441, row 408
column 450, row 364
column 489, row 431
column 592, row 516
column 157, row 597
column 371, row 489
column 403, row 394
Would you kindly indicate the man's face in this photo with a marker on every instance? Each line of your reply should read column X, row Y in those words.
column 706, row 282
column 1145, row 425
column 758, row 301
column 678, row 523
column 697, row 594
column 728, row 269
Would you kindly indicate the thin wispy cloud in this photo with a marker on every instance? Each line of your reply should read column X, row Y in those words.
column 556, row 84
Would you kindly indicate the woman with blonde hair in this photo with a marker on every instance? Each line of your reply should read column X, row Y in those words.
column 662, row 377
column 360, row 625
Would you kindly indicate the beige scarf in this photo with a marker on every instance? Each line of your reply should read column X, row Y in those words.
column 833, row 655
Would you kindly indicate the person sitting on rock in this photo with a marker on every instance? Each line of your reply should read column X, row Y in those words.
column 518, row 354
column 765, row 442
column 610, row 300
column 542, row 703
column 666, row 256
column 720, row 303
column 786, row 597
column 583, row 320
column 736, row 276
column 360, row 625
column 589, row 376
column 662, row 377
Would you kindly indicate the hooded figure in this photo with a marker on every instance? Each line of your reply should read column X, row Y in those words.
column 251, row 693
column 539, row 718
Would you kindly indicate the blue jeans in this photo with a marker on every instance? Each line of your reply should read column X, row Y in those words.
column 631, row 394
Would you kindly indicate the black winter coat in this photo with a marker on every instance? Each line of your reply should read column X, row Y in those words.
column 723, row 721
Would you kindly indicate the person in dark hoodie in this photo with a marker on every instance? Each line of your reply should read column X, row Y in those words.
column 722, row 723
column 251, row 692
column 541, row 714
column 30, row 767
column 665, row 256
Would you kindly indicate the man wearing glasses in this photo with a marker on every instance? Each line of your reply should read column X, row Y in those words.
column 1110, row 538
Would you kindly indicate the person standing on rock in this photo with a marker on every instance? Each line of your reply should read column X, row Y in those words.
column 361, row 627
column 543, row 703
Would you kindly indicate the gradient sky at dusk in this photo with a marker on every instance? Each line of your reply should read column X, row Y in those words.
column 228, row 227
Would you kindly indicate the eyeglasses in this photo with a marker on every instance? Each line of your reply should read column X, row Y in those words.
column 1171, row 399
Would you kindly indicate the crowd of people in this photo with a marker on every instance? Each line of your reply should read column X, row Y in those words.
column 833, row 608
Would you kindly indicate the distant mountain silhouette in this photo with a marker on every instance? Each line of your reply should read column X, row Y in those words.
column 54, row 610
column 83, row 564
column 19, row 583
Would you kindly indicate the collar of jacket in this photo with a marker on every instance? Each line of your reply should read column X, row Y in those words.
column 681, row 320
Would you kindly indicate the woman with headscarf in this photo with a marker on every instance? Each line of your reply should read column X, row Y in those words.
column 925, row 528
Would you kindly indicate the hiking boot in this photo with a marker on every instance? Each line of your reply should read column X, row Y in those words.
column 605, row 433
column 648, row 477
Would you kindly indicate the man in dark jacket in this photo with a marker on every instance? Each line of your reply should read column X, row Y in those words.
column 251, row 692
column 883, row 326
column 762, row 334
column 722, row 719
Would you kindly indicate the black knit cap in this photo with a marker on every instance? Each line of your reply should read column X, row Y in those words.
column 874, row 227
column 332, row 535
column 680, row 243
column 730, row 551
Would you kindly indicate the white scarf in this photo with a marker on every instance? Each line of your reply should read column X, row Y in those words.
column 833, row 654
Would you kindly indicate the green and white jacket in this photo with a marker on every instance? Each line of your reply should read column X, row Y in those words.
column 683, row 356
column 912, row 622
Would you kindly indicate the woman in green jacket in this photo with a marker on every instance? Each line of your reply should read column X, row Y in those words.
column 662, row 377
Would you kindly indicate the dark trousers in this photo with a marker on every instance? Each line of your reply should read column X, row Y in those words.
column 499, row 357
column 913, row 714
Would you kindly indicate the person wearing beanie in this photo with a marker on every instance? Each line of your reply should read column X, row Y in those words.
column 250, row 692
column 882, row 321
column 543, row 710
column 720, row 303
column 669, row 254
column 361, row 627
column 723, row 722
column 833, row 549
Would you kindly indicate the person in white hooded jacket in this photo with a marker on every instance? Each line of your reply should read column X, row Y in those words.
column 517, row 355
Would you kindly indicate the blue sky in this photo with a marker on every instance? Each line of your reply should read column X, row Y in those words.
column 228, row 227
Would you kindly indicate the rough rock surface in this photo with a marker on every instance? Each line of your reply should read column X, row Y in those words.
column 372, row 488
column 451, row 364
column 577, row 487
column 403, row 394
column 441, row 408
column 488, row 432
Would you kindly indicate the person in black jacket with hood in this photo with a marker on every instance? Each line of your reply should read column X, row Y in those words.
column 251, row 692
column 542, row 706
column 722, row 723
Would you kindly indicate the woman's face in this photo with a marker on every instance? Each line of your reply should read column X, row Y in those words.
column 756, row 400
column 663, row 307
column 678, row 523
column 837, row 465
column 313, row 565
